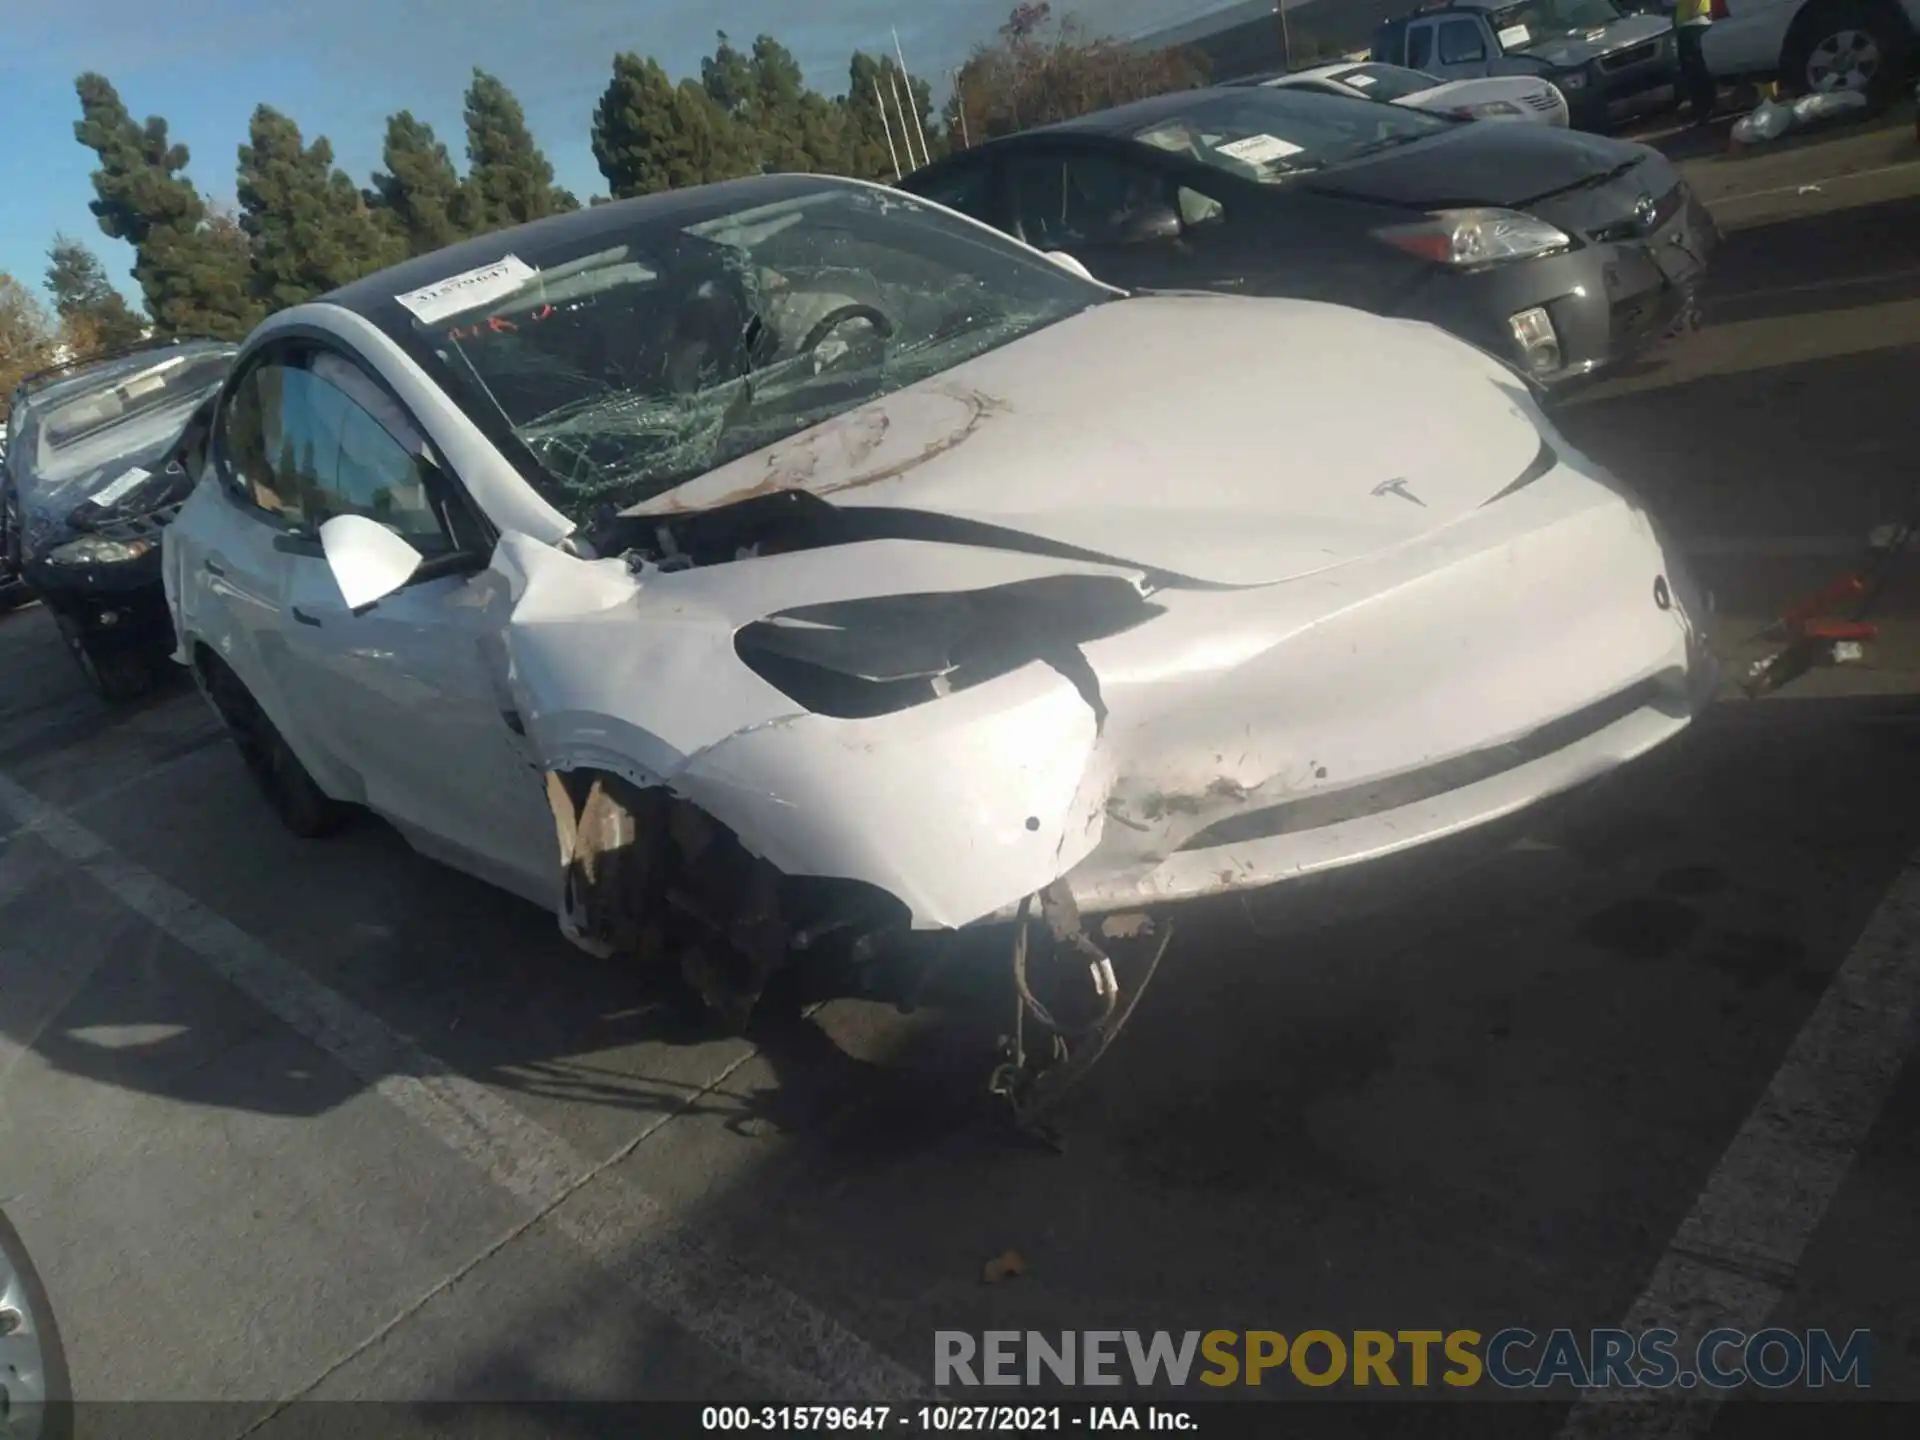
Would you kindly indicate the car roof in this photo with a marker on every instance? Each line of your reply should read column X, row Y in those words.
column 614, row 222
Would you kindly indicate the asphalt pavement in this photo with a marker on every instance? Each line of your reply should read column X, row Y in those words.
column 288, row 1120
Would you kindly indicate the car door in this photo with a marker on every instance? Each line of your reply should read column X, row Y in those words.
column 225, row 548
column 413, row 687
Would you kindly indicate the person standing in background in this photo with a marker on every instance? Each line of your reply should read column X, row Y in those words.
column 1690, row 21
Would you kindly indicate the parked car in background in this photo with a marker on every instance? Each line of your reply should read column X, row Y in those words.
column 1559, row 251
column 1510, row 99
column 791, row 558
column 1605, row 61
column 1815, row 46
column 94, row 471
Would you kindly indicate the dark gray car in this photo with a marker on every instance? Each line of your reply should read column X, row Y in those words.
column 1560, row 251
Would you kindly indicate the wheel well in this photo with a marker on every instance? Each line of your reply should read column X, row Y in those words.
column 1815, row 13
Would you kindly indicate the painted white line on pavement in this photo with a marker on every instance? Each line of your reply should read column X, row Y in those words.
column 1735, row 1256
column 1800, row 186
column 774, row 1334
column 1841, row 282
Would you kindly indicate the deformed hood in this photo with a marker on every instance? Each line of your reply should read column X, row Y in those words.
column 1229, row 440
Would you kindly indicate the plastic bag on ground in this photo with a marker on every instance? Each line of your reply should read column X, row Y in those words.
column 1827, row 104
column 1769, row 121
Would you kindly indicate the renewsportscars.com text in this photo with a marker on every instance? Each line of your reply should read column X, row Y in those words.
column 1511, row 1359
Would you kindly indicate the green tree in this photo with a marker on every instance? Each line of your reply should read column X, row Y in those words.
column 418, row 196
column 308, row 227
column 192, row 276
column 85, row 298
column 26, row 337
column 509, row 180
column 1040, row 70
column 651, row 135
column 781, row 125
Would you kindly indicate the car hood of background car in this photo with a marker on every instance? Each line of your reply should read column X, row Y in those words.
column 1226, row 440
column 1569, row 51
column 1479, row 164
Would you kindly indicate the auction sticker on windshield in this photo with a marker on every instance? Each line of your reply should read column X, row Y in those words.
column 1357, row 80
column 1513, row 35
column 433, row 303
column 1259, row 149
column 125, row 485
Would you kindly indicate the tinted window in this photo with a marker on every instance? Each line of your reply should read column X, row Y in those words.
column 1460, row 42
column 1420, row 46
column 967, row 188
column 305, row 445
column 1385, row 82
column 1065, row 200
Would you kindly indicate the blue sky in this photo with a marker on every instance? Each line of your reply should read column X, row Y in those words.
column 341, row 67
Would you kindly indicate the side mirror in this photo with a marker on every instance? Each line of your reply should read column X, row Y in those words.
column 1069, row 264
column 1151, row 223
column 369, row 562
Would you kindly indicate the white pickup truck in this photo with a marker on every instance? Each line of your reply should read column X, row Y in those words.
column 1811, row 46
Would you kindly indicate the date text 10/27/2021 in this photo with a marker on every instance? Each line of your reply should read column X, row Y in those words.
column 945, row 1418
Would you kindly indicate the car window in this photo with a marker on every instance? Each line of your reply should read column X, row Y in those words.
column 966, row 188
column 1273, row 134
column 1384, row 82
column 1461, row 42
column 1420, row 46
column 302, row 448
column 1062, row 200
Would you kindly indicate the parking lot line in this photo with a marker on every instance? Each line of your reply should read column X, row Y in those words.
column 1735, row 1256
column 767, row 1330
column 1801, row 187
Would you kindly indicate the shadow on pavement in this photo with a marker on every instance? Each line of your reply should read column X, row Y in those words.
column 1487, row 1104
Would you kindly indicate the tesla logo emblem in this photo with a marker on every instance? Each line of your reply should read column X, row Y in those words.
column 1643, row 210
column 1398, row 487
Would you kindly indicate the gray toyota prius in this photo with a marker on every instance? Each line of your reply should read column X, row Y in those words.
column 1562, row 252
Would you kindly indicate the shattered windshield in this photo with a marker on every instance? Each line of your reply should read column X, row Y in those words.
column 632, row 369
column 1271, row 134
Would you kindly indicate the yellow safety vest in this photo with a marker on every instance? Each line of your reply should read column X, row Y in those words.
column 1692, row 12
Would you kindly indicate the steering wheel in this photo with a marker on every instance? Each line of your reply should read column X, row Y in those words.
column 842, row 315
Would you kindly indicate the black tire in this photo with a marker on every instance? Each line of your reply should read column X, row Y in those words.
column 56, row 1420
column 303, row 807
column 117, row 676
column 1824, row 33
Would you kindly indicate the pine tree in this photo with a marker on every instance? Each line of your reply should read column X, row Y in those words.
column 418, row 195
column 308, row 228
column 86, row 299
column 875, row 138
column 651, row 135
column 509, row 180
column 193, row 278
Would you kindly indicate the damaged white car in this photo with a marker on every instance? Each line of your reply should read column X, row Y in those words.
column 745, row 566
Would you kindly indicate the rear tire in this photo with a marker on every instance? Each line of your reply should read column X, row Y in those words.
column 1862, row 45
column 302, row 806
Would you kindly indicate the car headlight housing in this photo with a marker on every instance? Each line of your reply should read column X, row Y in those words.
column 1488, row 109
column 854, row 659
column 98, row 550
column 1483, row 236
